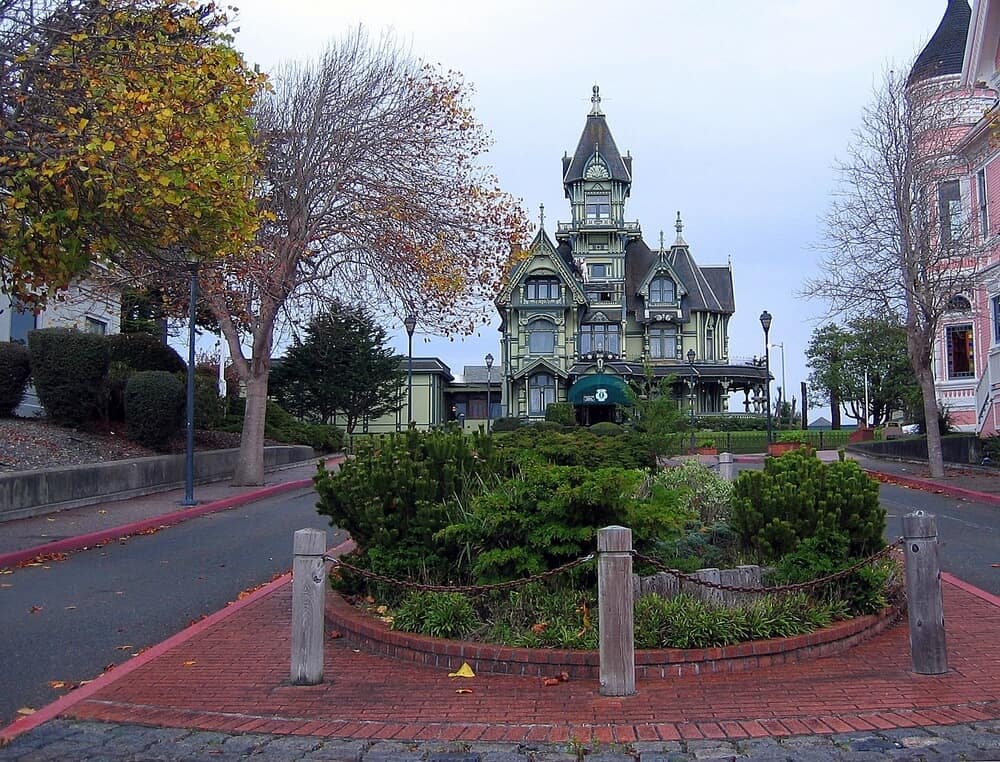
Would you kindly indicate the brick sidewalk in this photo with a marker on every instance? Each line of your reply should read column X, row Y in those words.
column 233, row 678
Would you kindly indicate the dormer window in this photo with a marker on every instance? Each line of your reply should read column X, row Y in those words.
column 661, row 291
column 598, row 207
column 542, row 289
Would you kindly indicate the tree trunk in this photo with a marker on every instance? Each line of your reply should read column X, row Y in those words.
column 250, row 465
column 935, row 458
column 834, row 411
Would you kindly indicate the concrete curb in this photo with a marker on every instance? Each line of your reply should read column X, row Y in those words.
column 60, row 705
column 930, row 486
column 104, row 536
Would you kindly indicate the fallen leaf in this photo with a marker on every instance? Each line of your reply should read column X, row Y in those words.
column 464, row 671
column 102, row 511
column 464, row 690
column 26, row 710
column 6, row 585
column 50, row 519
column 548, row 682
column 190, row 663
column 334, row 634
column 70, row 608
column 124, row 648
column 539, row 628
column 57, row 684
column 564, row 677
column 35, row 609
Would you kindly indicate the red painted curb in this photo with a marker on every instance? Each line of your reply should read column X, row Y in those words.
column 929, row 486
column 60, row 705
column 84, row 541
column 951, row 579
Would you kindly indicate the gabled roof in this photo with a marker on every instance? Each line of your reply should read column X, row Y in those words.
column 945, row 52
column 539, row 364
column 701, row 296
column 596, row 140
column 542, row 246
column 709, row 289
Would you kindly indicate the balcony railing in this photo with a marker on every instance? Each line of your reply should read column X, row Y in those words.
column 984, row 389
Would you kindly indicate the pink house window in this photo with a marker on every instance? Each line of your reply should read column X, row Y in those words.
column 961, row 359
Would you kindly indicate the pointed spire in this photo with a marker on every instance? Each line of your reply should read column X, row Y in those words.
column 679, row 226
column 944, row 53
column 661, row 240
column 541, row 216
column 595, row 99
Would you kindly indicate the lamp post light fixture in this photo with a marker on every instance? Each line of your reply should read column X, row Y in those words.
column 690, row 357
column 489, row 383
column 189, row 422
column 765, row 323
column 410, row 323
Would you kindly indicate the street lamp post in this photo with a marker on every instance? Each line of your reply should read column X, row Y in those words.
column 765, row 323
column 690, row 356
column 189, row 444
column 410, row 323
column 489, row 383
column 784, row 389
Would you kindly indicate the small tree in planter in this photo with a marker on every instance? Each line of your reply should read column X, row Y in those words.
column 786, row 441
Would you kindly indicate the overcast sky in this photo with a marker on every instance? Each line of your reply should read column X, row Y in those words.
column 734, row 113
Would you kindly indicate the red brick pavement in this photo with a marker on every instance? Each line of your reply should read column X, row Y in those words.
column 233, row 677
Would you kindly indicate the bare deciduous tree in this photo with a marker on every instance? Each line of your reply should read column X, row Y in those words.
column 894, row 245
column 371, row 192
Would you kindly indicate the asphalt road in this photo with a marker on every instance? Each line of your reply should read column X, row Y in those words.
column 968, row 532
column 66, row 621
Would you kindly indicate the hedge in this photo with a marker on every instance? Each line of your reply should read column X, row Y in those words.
column 15, row 368
column 69, row 367
column 154, row 407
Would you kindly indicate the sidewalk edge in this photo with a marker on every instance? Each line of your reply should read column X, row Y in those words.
column 931, row 486
column 968, row 587
column 60, row 705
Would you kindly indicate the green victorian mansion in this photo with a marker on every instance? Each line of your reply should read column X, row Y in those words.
column 583, row 317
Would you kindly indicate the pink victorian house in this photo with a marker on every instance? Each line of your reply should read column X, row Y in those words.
column 964, row 56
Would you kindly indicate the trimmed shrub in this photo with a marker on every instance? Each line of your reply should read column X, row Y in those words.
column 561, row 412
column 209, row 408
column 154, row 406
column 143, row 351
column 501, row 425
column 15, row 369
column 114, row 385
column 606, row 429
column 69, row 367
column 796, row 496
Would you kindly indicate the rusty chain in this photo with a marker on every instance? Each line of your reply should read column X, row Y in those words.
column 475, row 589
column 778, row 588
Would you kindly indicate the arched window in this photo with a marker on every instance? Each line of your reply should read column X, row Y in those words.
column 541, row 337
column 541, row 393
column 959, row 303
column 663, row 342
column 661, row 290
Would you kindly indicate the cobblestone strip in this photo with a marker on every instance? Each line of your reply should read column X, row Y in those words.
column 65, row 739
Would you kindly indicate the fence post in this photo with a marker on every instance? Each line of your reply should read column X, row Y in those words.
column 727, row 467
column 928, row 651
column 308, row 587
column 615, row 603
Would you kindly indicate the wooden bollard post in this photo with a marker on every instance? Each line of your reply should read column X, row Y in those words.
column 727, row 467
column 615, row 603
column 308, row 587
column 928, row 651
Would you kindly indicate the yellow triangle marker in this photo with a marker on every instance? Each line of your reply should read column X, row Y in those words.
column 464, row 671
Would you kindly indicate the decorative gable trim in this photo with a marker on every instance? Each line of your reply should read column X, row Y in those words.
column 541, row 248
column 537, row 365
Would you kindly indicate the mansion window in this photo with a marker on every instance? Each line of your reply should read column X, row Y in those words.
column 542, row 289
column 961, row 360
column 600, row 297
column 541, row 337
column 950, row 211
column 982, row 202
column 661, row 291
column 663, row 342
column 598, row 207
column 95, row 326
column 959, row 303
column 599, row 271
column 600, row 337
column 541, row 393
column 710, row 344
column 995, row 304
column 22, row 320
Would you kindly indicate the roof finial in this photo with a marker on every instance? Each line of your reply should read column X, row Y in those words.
column 541, row 216
column 596, row 100
column 661, row 240
column 679, row 226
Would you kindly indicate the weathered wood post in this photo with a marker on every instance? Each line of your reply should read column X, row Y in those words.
column 928, row 651
column 308, row 587
column 615, row 603
column 727, row 467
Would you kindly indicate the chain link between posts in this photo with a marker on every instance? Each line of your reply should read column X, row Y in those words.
column 473, row 589
column 790, row 588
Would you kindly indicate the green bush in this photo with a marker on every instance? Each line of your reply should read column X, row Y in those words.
column 209, row 407
column 114, row 388
column 548, row 426
column 561, row 412
column 440, row 615
column 703, row 492
column 68, row 367
column 606, row 429
column 15, row 369
column 154, row 407
column 281, row 426
column 540, row 615
column 796, row 496
column 143, row 351
column 700, row 547
column 579, row 447
column 501, row 425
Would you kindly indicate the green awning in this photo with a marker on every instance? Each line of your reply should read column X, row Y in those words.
column 599, row 389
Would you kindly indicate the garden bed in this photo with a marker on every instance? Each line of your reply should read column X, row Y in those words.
column 375, row 636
